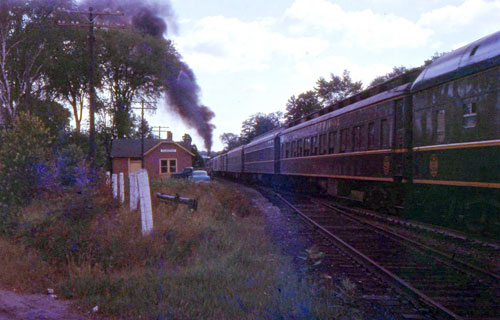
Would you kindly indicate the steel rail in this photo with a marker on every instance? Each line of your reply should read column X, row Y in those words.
column 372, row 265
column 451, row 261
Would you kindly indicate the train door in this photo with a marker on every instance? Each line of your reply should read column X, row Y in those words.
column 277, row 152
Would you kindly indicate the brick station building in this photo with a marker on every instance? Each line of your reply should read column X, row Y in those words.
column 161, row 157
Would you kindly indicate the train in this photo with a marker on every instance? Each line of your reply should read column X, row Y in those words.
column 426, row 142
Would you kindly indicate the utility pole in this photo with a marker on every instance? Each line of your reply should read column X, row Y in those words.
column 91, row 16
column 160, row 130
column 142, row 127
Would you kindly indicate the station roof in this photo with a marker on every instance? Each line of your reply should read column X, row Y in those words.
column 474, row 57
column 131, row 148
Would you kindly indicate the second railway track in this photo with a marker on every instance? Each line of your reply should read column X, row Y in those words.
column 449, row 289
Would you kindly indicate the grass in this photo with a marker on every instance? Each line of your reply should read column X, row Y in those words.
column 214, row 263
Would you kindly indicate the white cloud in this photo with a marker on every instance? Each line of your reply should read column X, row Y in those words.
column 365, row 29
column 218, row 43
column 476, row 13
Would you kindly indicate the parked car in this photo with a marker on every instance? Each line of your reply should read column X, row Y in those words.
column 199, row 176
column 188, row 171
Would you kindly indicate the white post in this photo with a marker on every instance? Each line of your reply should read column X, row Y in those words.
column 122, row 188
column 114, row 179
column 133, row 190
column 108, row 178
column 145, row 202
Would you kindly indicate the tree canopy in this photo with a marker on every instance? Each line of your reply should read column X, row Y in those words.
column 258, row 124
column 305, row 103
column 337, row 88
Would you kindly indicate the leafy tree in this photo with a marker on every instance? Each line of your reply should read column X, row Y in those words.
column 132, row 69
column 258, row 124
column 187, row 140
column 27, row 39
column 67, row 74
column 25, row 155
column 304, row 104
column 337, row 88
column 230, row 140
column 396, row 71
column 55, row 117
column 198, row 161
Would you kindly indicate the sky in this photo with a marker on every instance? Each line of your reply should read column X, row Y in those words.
column 251, row 56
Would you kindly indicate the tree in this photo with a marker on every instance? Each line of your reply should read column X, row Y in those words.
column 304, row 104
column 133, row 69
column 24, row 158
column 54, row 116
column 396, row 71
column 258, row 124
column 67, row 75
column 27, row 37
column 337, row 88
column 230, row 140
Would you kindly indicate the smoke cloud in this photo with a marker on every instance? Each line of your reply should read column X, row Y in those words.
column 182, row 91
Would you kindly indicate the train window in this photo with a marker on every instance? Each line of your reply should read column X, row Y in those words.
column 470, row 115
column 314, row 145
column 384, row 134
column 440, row 127
column 300, row 146
column 371, row 135
column 282, row 151
column 307, row 146
column 344, row 133
column 294, row 149
column 332, row 136
column 358, row 138
column 322, row 144
column 287, row 150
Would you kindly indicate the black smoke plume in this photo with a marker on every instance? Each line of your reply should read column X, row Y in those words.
column 181, row 89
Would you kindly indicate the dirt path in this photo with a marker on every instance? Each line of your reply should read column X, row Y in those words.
column 34, row 306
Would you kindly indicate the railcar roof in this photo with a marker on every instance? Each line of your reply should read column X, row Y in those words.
column 474, row 57
column 235, row 149
column 398, row 91
column 264, row 137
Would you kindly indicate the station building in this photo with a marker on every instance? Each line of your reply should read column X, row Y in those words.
column 162, row 157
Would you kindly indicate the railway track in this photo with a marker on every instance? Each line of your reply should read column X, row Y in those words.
column 449, row 289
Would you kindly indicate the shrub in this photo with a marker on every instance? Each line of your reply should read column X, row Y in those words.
column 25, row 157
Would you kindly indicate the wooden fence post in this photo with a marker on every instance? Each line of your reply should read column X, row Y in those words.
column 122, row 188
column 114, row 180
column 133, row 190
column 145, row 202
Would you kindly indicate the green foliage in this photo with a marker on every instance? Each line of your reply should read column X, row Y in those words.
column 258, row 124
column 230, row 140
column 304, row 104
column 55, row 117
column 25, row 157
column 337, row 88
column 396, row 71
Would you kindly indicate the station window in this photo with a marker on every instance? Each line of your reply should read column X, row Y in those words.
column 384, row 134
column 168, row 166
column 470, row 115
column 440, row 127
column 307, row 146
column 322, row 144
column 332, row 136
column 300, row 146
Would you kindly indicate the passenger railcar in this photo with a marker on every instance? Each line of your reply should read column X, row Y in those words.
column 261, row 156
column 428, row 140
